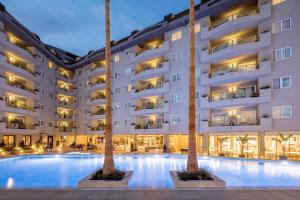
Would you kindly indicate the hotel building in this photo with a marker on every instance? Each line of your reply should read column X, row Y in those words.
column 247, row 54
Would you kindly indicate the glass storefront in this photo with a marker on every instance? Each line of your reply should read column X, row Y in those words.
column 245, row 146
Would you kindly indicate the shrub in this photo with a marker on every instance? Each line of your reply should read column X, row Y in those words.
column 118, row 175
column 200, row 175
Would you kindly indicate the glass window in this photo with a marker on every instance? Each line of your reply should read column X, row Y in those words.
column 175, row 119
column 283, row 54
column 275, row 2
column 285, row 82
column 176, row 98
column 176, row 77
column 282, row 111
column 176, row 36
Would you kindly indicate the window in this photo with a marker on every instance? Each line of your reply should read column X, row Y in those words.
column 282, row 111
column 283, row 54
column 176, row 77
column 176, row 36
column 117, row 90
column 50, row 65
column 116, row 123
column 117, row 58
column 176, row 98
column 127, row 105
column 282, row 82
column 117, row 106
column 50, row 124
column 275, row 2
column 197, row 95
column 127, row 88
column 41, row 106
column 197, row 28
column 116, row 75
column 127, row 71
column 197, row 118
column 175, row 119
column 41, row 123
column 127, row 122
column 177, row 56
column 282, row 25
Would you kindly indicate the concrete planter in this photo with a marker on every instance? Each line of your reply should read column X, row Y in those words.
column 215, row 183
column 87, row 183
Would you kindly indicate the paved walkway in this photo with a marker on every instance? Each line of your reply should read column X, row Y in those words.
column 124, row 194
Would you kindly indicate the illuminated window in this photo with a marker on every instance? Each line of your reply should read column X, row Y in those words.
column 197, row 28
column 50, row 65
column 282, row 111
column 176, row 36
column 117, row 58
column 275, row 2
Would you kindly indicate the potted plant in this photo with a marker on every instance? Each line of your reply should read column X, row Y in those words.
column 243, row 140
column 283, row 141
column 222, row 140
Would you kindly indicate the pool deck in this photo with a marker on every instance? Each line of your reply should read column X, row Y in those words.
column 150, row 194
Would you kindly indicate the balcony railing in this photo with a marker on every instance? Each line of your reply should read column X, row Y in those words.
column 98, row 97
column 64, row 103
column 234, row 96
column 100, row 81
column 236, row 42
column 98, row 128
column 149, row 67
column 65, row 129
column 244, row 13
column 149, row 86
column 229, row 69
column 19, row 126
column 149, row 125
column 234, row 123
column 156, row 46
column 97, row 67
column 21, row 86
column 98, row 112
column 23, row 107
column 149, row 106
column 65, row 116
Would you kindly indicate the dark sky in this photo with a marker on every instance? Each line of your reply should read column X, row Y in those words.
column 78, row 25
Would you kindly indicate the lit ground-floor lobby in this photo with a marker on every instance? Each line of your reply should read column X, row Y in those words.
column 252, row 145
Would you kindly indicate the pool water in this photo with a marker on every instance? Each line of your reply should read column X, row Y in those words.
column 150, row 171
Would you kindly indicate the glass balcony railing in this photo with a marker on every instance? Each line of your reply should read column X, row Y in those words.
column 65, row 129
column 149, row 105
column 65, row 116
column 23, row 107
column 102, row 96
column 19, row 126
column 22, row 66
column 235, row 42
column 149, row 67
column 20, row 86
column 150, row 47
column 234, row 122
column 149, row 125
column 100, row 81
column 149, row 86
column 98, row 112
column 98, row 128
column 233, row 96
column 219, row 71
column 218, row 22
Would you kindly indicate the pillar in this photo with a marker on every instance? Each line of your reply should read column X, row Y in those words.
column 205, row 143
column 261, row 145
column 166, row 140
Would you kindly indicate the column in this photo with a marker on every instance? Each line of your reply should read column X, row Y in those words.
column 261, row 145
column 205, row 143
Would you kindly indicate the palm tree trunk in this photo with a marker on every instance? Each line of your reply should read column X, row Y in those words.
column 192, row 164
column 108, row 166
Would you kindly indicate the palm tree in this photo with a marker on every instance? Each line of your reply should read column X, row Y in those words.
column 192, row 164
column 221, row 141
column 108, row 165
column 243, row 140
column 283, row 141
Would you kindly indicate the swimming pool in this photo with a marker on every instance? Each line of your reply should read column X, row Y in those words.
column 150, row 171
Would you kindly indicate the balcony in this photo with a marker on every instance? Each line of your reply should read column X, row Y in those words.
column 18, row 128
column 15, row 87
column 150, row 108
column 150, row 53
column 65, row 130
column 65, row 91
column 64, row 104
column 98, row 100
column 16, row 47
column 19, row 68
column 236, row 21
column 264, row 96
column 64, row 76
column 97, row 85
column 160, row 128
column 148, row 90
column 242, row 72
column 263, row 124
column 233, row 48
column 22, row 110
column 96, row 70
column 97, row 130
column 149, row 71
column 65, row 117
column 100, row 114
